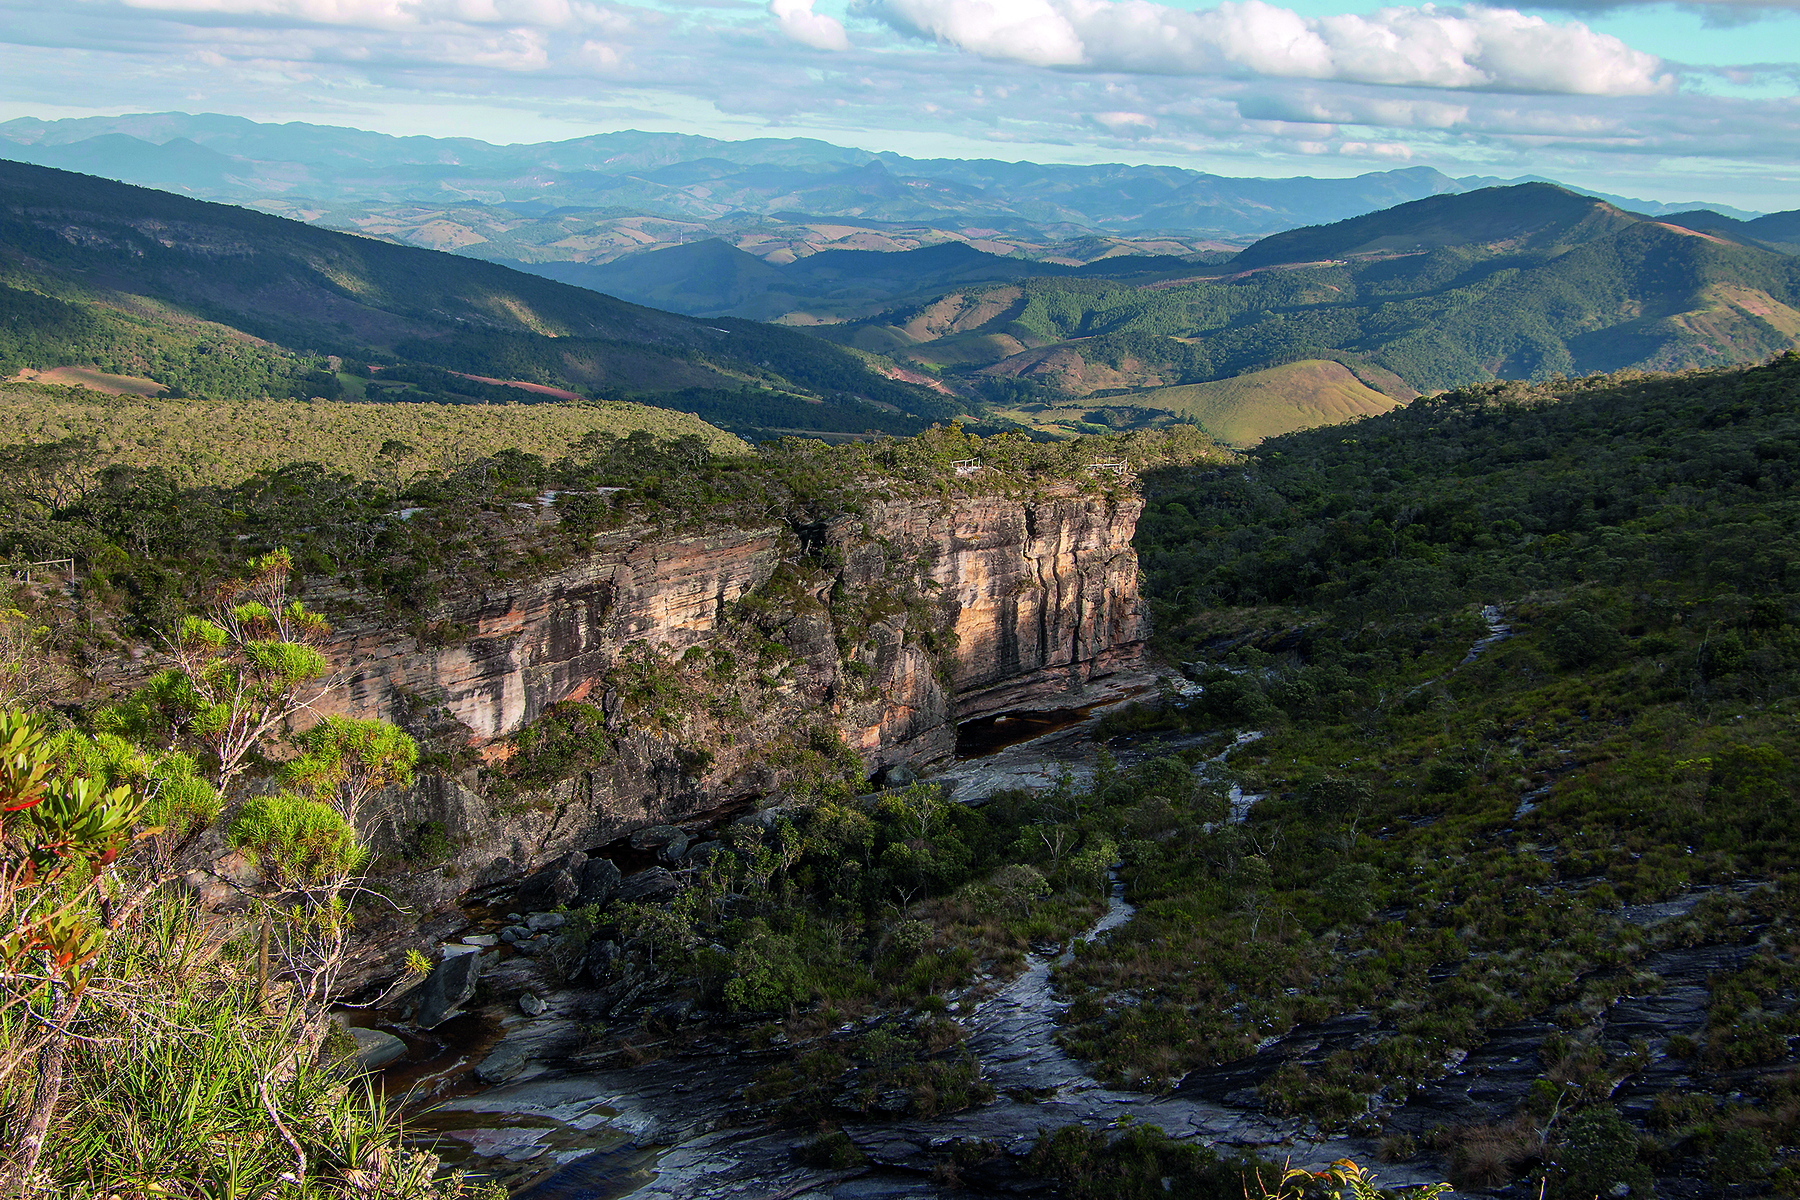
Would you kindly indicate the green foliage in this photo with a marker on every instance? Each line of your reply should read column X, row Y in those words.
column 178, row 800
column 1496, row 492
column 60, row 832
column 766, row 971
column 205, row 1086
column 1599, row 1151
column 346, row 761
column 296, row 841
column 1582, row 639
column 566, row 738
column 1097, row 1164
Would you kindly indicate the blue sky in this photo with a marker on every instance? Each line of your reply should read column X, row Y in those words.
column 1658, row 101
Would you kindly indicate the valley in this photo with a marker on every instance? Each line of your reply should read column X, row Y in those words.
column 927, row 719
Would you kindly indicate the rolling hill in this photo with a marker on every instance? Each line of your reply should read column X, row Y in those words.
column 714, row 278
column 1774, row 231
column 1518, row 282
column 1532, row 217
column 214, row 300
column 1237, row 412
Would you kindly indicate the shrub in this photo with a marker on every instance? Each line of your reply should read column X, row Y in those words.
column 1599, row 1152
column 767, row 972
column 1582, row 639
column 295, row 840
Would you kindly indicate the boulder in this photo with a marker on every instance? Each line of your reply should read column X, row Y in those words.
column 557, row 883
column 898, row 775
column 701, row 853
column 655, row 837
column 480, row 940
column 532, row 1006
column 505, row 1062
column 538, row 922
column 599, row 880
column 449, row 985
column 764, row 821
column 647, row 887
column 673, row 851
column 375, row 1049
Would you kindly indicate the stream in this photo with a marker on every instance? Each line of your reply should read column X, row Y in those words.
column 539, row 1113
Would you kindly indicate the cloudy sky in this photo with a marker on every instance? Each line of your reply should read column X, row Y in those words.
column 1698, row 100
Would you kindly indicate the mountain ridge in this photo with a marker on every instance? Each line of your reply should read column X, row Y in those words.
column 1527, row 281
column 172, row 285
column 625, row 166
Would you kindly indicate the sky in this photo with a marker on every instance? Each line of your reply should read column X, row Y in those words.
column 1657, row 101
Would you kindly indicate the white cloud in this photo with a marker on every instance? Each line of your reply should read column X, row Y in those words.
column 727, row 69
column 1496, row 49
column 1390, row 150
column 1124, row 122
column 798, row 21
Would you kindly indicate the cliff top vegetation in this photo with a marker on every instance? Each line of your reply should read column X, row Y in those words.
column 149, row 538
column 223, row 442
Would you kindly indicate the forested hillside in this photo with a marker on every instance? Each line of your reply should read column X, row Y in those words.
column 224, row 302
column 1522, row 282
column 1516, row 869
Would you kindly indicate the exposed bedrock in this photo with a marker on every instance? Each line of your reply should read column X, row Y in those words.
column 886, row 628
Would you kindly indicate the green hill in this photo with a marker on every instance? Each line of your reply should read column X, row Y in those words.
column 1238, row 412
column 223, row 302
column 1776, row 231
column 1530, row 217
column 1521, row 282
column 1263, row 404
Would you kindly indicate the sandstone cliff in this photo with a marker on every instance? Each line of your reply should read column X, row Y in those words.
column 726, row 662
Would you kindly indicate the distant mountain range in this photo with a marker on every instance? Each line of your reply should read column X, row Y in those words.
column 1316, row 323
column 587, row 199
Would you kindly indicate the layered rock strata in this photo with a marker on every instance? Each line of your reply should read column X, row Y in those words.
column 883, row 629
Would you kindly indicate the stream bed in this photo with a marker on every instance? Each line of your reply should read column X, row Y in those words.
column 514, row 1097
column 524, row 1101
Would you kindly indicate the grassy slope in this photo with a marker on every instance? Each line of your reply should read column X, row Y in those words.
column 225, row 441
column 1245, row 410
column 1236, row 412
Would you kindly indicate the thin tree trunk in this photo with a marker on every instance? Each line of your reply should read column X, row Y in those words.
column 23, row 1164
column 262, row 968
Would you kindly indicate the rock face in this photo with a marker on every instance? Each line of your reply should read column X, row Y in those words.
column 880, row 630
column 449, row 986
column 554, row 638
column 1044, row 593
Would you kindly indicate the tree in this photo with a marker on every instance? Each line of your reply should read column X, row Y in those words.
column 242, row 668
column 59, row 838
column 344, row 762
column 26, row 674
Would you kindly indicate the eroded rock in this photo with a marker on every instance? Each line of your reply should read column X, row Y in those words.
column 449, row 986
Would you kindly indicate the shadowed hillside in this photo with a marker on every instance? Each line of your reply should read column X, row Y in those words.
column 215, row 300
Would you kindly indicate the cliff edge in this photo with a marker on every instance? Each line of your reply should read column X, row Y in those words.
column 656, row 676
